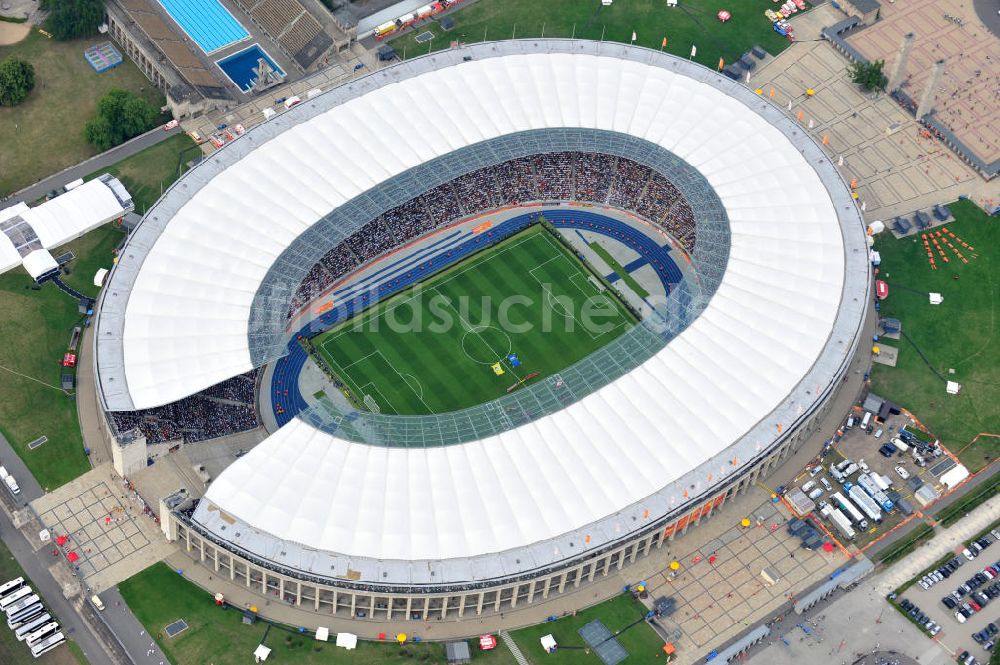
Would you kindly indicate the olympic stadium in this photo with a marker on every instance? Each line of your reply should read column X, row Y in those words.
column 489, row 475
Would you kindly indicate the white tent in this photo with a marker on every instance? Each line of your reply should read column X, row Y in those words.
column 261, row 653
column 953, row 387
column 39, row 262
column 59, row 220
column 953, row 477
column 100, row 276
column 323, row 634
column 347, row 640
column 549, row 643
column 936, row 298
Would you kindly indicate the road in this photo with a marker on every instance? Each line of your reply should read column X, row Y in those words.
column 30, row 489
column 132, row 634
column 73, row 626
column 85, row 168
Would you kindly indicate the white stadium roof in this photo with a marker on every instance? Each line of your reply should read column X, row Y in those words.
column 777, row 330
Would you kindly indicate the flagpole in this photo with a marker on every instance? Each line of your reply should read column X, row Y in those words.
column 602, row 32
column 574, row 31
column 513, row 34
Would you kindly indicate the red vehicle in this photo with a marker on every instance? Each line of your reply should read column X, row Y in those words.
column 69, row 360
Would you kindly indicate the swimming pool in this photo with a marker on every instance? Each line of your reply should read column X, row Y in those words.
column 207, row 22
column 239, row 66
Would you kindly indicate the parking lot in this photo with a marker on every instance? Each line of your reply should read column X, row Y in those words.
column 956, row 636
column 897, row 474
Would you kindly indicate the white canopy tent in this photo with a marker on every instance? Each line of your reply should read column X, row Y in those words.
column 347, row 640
column 58, row 221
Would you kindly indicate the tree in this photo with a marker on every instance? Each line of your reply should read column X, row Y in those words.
column 869, row 75
column 120, row 116
column 17, row 78
column 70, row 19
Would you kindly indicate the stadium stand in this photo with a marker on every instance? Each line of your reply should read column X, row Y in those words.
column 557, row 176
column 225, row 408
column 289, row 24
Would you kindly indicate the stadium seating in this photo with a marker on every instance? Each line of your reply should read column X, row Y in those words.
column 224, row 409
column 557, row 176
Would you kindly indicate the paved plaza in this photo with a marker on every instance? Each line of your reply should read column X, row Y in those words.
column 105, row 525
column 968, row 97
column 713, row 597
column 898, row 169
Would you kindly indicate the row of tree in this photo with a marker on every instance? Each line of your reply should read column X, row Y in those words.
column 71, row 19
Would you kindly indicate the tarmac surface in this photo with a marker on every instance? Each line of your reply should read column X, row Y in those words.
column 988, row 12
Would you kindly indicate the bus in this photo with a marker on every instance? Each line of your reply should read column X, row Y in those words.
column 13, row 585
column 42, row 632
column 48, row 644
column 20, row 618
column 14, row 596
column 32, row 626
column 22, row 604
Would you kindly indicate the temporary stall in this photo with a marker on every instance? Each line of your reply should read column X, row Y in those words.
column 549, row 643
column 323, row 634
column 261, row 653
column 347, row 640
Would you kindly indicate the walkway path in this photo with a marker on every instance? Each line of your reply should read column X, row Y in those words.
column 514, row 649
column 86, row 167
column 945, row 541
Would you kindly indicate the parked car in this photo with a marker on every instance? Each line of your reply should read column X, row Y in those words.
column 902, row 473
column 170, row 125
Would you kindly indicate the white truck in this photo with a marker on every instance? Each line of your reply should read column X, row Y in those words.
column 839, row 520
column 850, row 510
column 865, row 502
column 9, row 481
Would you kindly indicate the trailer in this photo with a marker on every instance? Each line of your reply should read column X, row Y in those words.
column 881, row 482
column 839, row 520
column 869, row 485
column 865, row 502
column 849, row 508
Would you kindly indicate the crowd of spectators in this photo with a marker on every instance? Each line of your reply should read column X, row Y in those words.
column 554, row 171
column 557, row 176
column 225, row 408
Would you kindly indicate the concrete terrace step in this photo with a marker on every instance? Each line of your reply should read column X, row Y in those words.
column 514, row 649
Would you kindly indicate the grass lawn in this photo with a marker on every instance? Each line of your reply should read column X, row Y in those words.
column 430, row 349
column 159, row 596
column 692, row 22
column 36, row 328
column 963, row 334
column 146, row 175
column 961, row 507
column 44, row 134
column 13, row 652
column 640, row 641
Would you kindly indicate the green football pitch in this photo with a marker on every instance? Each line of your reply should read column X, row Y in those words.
column 444, row 344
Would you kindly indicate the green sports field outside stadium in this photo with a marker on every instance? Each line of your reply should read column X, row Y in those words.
column 441, row 346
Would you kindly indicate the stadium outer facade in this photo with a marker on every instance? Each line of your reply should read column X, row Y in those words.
column 385, row 585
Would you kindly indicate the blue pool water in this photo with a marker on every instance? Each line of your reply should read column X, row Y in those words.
column 239, row 66
column 207, row 22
